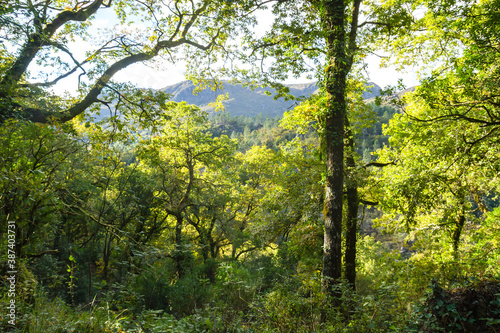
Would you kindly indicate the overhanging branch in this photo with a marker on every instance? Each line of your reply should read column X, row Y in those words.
column 44, row 116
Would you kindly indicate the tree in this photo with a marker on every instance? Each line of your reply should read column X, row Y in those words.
column 330, row 36
column 430, row 185
column 178, row 159
column 309, row 115
column 289, row 41
column 44, row 30
column 452, row 120
column 293, row 40
column 457, row 41
column 34, row 160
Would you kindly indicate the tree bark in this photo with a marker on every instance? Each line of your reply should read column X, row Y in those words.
column 178, row 252
column 459, row 226
column 352, row 212
column 335, row 84
column 106, row 255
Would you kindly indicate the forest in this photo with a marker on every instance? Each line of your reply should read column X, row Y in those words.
column 125, row 211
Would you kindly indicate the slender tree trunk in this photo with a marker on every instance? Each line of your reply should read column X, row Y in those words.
column 352, row 212
column 106, row 256
column 90, row 274
column 178, row 252
column 458, row 229
column 335, row 83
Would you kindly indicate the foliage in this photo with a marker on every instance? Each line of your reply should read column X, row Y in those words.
column 159, row 218
column 34, row 159
column 46, row 34
column 474, row 308
column 437, row 179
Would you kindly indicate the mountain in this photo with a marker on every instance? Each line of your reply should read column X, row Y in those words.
column 245, row 101
column 388, row 99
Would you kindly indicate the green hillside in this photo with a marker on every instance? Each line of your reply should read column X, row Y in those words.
column 245, row 101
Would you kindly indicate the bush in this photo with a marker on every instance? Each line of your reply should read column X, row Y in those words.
column 473, row 308
column 187, row 295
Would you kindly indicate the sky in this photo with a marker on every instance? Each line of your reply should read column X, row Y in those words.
column 148, row 77
column 145, row 76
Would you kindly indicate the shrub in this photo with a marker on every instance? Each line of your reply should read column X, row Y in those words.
column 473, row 308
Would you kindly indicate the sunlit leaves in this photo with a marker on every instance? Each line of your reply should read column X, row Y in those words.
column 195, row 183
column 437, row 176
column 446, row 144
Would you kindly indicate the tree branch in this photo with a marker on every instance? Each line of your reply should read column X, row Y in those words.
column 41, row 254
column 368, row 203
column 375, row 23
column 44, row 116
column 377, row 164
column 37, row 40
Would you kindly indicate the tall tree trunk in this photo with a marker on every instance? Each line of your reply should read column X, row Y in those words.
column 352, row 211
column 335, row 84
column 459, row 226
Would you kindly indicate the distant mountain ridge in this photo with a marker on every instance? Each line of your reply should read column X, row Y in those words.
column 245, row 101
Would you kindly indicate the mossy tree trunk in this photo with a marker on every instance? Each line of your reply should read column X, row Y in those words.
column 340, row 54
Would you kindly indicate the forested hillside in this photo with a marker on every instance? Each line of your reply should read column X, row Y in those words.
column 245, row 101
column 131, row 209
